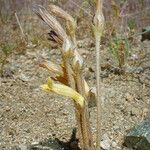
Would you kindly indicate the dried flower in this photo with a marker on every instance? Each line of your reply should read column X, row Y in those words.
column 51, row 21
column 70, row 22
column 57, row 30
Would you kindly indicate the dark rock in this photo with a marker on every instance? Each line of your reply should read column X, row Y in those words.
column 145, row 34
column 139, row 137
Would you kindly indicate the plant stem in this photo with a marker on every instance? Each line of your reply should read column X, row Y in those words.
column 99, row 5
column 21, row 29
column 98, row 84
column 85, row 129
column 98, row 29
column 84, row 114
column 71, row 82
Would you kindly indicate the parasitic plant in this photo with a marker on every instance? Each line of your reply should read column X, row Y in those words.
column 69, row 73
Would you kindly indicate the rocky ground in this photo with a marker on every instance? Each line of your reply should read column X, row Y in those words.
column 33, row 119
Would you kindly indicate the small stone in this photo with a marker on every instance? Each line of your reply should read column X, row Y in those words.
column 58, row 121
column 8, row 73
column 83, row 51
column 135, row 111
column 34, row 143
column 139, row 70
column 127, row 110
column 129, row 97
column 114, row 144
column 31, row 45
column 145, row 113
column 134, row 57
column 7, row 108
column 16, row 147
column 23, row 77
column 105, row 143
column 23, row 147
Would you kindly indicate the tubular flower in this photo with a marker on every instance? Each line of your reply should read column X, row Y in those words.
column 64, row 91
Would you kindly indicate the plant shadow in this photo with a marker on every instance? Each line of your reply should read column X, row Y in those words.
column 56, row 144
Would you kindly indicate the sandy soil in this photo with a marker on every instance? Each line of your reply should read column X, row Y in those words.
column 32, row 119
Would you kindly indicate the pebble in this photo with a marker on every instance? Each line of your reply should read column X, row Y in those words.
column 105, row 143
column 129, row 97
column 34, row 143
column 7, row 108
column 23, row 147
column 145, row 113
column 127, row 110
column 31, row 45
column 134, row 57
column 23, row 77
column 135, row 111
column 139, row 70
column 58, row 121
column 114, row 144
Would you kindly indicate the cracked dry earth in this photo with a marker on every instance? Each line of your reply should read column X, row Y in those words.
column 29, row 116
